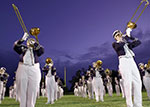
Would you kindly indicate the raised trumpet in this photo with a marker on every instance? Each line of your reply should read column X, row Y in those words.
column 132, row 24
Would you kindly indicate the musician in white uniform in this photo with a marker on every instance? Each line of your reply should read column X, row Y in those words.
column 127, row 66
column 146, row 76
column 50, row 81
column 28, row 74
column 98, row 82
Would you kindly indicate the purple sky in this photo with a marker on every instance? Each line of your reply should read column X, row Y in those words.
column 73, row 32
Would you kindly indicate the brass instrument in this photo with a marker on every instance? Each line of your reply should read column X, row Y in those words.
column 34, row 31
column 98, row 63
column 148, row 65
column 49, row 61
column 108, row 72
column 132, row 24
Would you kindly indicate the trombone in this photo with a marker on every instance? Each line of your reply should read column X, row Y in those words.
column 34, row 31
column 132, row 24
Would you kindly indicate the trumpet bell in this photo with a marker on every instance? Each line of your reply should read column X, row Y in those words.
column 99, row 63
column 48, row 60
column 131, row 25
column 34, row 31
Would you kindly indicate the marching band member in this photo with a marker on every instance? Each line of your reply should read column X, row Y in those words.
column 98, row 82
column 50, row 81
column 146, row 76
column 28, row 74
column 89, row 83
column 76, row 91
column 84, row 87
column 127, row 66
column 3, row 80
column 80, row 85
column 109, row 85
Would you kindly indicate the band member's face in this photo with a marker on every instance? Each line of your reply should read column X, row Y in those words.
column 118, row 37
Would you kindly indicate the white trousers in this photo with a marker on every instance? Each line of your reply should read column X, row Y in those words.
column 50, row 88
column 4, row 90
column 76, row 91
column 131, row 77
column 109, row 88
column 117, row 90
column 80, row 91
column 146, row 81
column 1, row 90
column 122, row 88
column 98, row 88
column 27, row 84
column 90, row 89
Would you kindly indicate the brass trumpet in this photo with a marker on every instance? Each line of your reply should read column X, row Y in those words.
column 148, row 65
column 98, row 63
column 33, row 31
column 132, row 24
column 49, row 61
column 107, row 72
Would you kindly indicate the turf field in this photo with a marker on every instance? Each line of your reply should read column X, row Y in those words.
column 73, row 101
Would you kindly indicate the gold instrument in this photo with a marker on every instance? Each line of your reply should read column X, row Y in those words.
column 132, row 24
column 34, row 31
column 49, row 61
column 148, row 65
column 107, row 72
column 98, row 63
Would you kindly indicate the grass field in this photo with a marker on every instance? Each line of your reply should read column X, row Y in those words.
column 73, row 101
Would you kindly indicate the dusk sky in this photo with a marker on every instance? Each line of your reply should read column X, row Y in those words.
column 74, row 33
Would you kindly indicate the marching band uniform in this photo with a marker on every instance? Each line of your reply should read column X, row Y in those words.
column 127, row 67
column 76, row 91
column 80, row 87
column 146, row 78
column 3, row 80
column 89, row 84
column 109, row 85
column 50, row 84
column 98, row 84
column 84, row 87
column 28, row 74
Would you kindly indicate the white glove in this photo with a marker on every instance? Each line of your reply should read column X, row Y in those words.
column 25, row 36
column 128, row 31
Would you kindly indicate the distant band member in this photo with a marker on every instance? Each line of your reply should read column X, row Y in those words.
column 50, row 81
column 98, row 82
column 89, row 83
column 76, row 91
column 109, row 85
column 127, row 66
column 28, row 74
column 84, row 87
column 146, row 76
